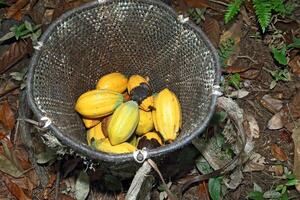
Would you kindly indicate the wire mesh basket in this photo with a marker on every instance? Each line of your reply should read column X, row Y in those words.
column 143, row 37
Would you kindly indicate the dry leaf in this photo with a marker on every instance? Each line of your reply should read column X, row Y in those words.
column 277, row 169
column 2, row 135
column 256, row 162
column 251, row 126
column 296, row 138
column 7, row 87
column 294, row 64
column 245, row 16
column 276, row 122
column 7, row 117
column 205, row 4
column 250, row 74
column 234, row 32
column 49, row 185
column 294, row 106
column 14, row 11
column 212, row 29
column 285, row 136
column 203, row 191
column 15, row 190
column 271, row 104
column 278, row 153
column 234, row 69
column 239, row 94
column 65, row 197
column 14, row 53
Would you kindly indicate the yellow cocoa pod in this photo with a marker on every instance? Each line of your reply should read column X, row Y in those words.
column 89, row 123
column 105, row 146
column 147, row 104
column 123, row 122
column 98, row 103
column 145, row 123
column 167, row 114
column 114, row 81
column 135, row 81
column 95, row 132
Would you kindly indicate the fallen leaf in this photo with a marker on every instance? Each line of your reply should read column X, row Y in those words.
column 278, row 153
column 14, row 11
column 296, row 138
column 294, row 106
column 14, row 53
column 203, row 191
column 82, row 186
column 285, row 136
column 8, row 167
column 22, row 156
column 65, row 197
column 49, row 185
column 256, row 162
column 64, row 6
column 271, row 104
column 7, row 87
column 234, row 180
column 294, row 64
column 251, row 126
column 15, row 190
column 212, row 29
column 7, row 117
column 234, row 32
column 2, row 135
column 204, row 4
column 277, row 169
column 276, row 122
column 239, row 94
column 272, row 194
column 250, row 74
column 27, row 183
column 234, row 69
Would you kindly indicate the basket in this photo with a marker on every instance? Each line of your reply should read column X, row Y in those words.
column 143, row 37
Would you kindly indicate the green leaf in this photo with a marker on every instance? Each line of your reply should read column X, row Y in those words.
column 295, row 44
column 8, row 167
column 272, row 194
column 280, row 55
column 203, row 166
column 255, row 195
column 279, row 187
column 284, row 196
column 214, row 188
column 218, row 118
column 28, row 26
column 112, row 183
column 82, row 186
column 263, row 10
column 7, row 36
column 284, row 189
column 235, row 80
column 226, row 48
column 257, row 188
column 45, row 156
column 292, row 182
column 290, row 175
column 232, row 10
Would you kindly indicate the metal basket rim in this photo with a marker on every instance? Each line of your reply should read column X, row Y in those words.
column 88, row 151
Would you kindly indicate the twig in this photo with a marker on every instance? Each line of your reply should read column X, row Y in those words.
column 219, row 2
column 249, row 58
column 294, row 122
column 154, row 166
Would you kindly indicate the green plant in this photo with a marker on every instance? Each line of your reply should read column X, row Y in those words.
column 214, row 188
column 24, row 30
column 226, row 48
column 234, row 80
column 280, row 55
column 263, row 10
column 278, row 75
column 2, row 3
column 196, row 14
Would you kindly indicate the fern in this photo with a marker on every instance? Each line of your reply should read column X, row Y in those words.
column 232, row 10
column 263, row 9
column 281, row 8
column 225, row 50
